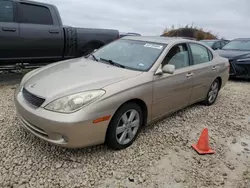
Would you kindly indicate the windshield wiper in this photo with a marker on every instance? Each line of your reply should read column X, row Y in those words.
column 94, row 57
column 112, row 63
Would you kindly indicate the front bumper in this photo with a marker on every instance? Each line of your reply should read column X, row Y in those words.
column 239, row 69
column 74, row 130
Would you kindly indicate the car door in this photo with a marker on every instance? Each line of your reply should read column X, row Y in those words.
column 205, row 70
column 172, row 91
column 9, row 31
column 40, row 36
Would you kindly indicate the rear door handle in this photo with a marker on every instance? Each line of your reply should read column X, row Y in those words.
column 188, row 75
column 53, row 32
column 214, row 68
column 9, row 29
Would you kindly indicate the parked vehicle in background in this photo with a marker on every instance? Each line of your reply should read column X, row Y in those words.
column 215, row 44
column 238, row 53
column 109, row 96
column 33, row 32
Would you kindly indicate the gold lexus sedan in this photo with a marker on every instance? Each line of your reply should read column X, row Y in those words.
column 108, row 96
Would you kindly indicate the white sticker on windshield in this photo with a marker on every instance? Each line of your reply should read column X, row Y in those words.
column 153, row 46
column 141, row 64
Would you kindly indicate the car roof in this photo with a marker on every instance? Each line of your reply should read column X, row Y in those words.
column 158, row 39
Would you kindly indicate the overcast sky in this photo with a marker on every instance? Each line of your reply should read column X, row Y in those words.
column 226, row 18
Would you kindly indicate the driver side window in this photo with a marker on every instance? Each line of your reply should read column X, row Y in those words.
column 178, row 56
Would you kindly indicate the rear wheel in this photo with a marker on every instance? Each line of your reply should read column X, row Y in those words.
column 212, row 93
column 124, row 126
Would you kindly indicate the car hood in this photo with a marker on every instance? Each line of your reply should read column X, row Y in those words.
column 233, row 54
column 73, row 76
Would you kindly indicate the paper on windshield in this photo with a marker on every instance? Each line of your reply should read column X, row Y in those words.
column 150, row 45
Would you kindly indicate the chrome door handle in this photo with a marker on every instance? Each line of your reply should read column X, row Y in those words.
column 214, row 68
column 9, row 29
column 188, row 75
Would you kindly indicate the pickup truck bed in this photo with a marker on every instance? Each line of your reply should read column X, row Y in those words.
column 33, row 33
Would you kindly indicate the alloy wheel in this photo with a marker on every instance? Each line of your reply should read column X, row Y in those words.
column 213, row 92
column 127, row 127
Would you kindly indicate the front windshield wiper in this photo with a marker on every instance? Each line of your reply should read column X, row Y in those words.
column 92, row 55
column 112, row 62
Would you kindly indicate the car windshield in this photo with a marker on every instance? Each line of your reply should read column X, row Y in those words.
column 131, row 54
column 208, row 43
column 238, row 45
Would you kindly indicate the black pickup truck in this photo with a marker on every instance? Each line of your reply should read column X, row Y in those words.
column 32, row 32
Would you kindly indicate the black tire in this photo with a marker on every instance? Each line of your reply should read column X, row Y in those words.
column 207, row 101
column 111, row 136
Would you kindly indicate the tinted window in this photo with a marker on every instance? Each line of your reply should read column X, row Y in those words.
column 6, row 11
column 132, row 54
column 34, row 14
column 178, row 56
column 217, row 45
column 200, row 54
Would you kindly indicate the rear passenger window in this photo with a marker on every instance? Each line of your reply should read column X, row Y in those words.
column 34, row 14
column 200, row 54
column 6, row 11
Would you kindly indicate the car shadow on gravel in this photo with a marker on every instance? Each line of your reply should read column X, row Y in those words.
column 240, row 80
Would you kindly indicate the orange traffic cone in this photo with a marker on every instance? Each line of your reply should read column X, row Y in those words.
column 202, row 146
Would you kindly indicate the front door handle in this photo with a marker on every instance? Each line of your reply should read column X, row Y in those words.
column 53, row 32
column 214, row 68
column 9, row 29
column 188, row 75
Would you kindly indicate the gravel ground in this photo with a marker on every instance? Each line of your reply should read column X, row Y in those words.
column 161, row 156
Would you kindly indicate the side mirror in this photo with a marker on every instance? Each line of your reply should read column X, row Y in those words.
column 168, row 69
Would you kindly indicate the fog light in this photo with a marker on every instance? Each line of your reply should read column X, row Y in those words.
column 58, row 137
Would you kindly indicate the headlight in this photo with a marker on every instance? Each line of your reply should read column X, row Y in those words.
column 72, row 103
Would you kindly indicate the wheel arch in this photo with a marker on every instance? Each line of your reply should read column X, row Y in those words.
column 220, row 81
column 141, row 104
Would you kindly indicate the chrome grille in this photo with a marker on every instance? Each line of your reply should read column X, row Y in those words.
column 32, row 99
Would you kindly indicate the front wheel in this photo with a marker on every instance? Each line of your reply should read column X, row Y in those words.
column 124, row 126
column 212, row 93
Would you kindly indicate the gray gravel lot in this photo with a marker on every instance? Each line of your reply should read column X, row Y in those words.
column 161, row 156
